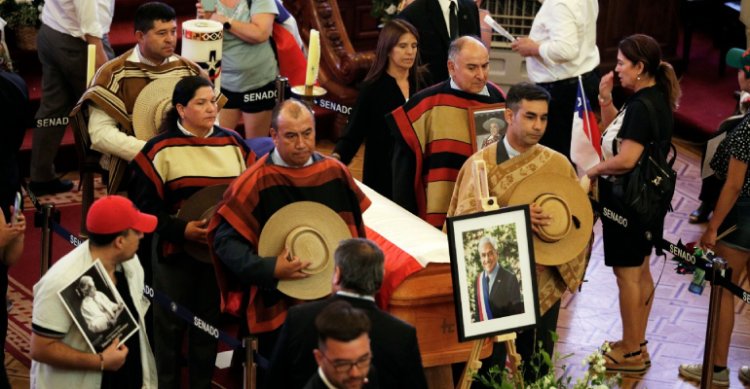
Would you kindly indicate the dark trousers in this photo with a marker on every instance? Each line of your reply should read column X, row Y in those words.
column 63, row 59
column 710, row 190
column 191, row 284
column 560, row 119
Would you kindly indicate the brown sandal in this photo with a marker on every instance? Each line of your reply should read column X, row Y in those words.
column 631, row 362
column 644, row 351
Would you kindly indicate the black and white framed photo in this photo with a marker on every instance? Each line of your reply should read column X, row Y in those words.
column 487, row 125
column 97, row 308
column 493, row 271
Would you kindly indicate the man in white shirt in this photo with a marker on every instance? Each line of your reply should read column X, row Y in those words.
column 116, row 87
column 61, row 356
column 68, row 26
column 561, row 47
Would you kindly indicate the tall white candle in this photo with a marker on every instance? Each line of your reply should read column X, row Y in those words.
column 90, row 64
column 313, row 58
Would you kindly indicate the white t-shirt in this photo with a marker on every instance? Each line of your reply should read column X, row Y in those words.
column 50, row 313
column 79, row 17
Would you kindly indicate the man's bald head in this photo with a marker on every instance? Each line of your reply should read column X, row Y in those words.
column 469, row 64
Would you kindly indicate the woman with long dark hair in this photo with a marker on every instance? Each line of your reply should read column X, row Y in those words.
column 190, row 153
column 393, row 78
column 627, row 243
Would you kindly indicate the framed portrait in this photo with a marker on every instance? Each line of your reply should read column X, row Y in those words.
column 493, row 271
column 97, row 309
column 487, row 125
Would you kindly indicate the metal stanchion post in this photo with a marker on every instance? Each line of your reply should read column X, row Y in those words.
column 250, row 375
column 719, row 268
column 46, row 246
column 281, row 84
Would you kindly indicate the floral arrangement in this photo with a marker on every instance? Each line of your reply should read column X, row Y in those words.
column 21, row 13
column 594, row 378
column 385, row 10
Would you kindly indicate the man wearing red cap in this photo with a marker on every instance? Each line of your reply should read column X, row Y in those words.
column 60, row 355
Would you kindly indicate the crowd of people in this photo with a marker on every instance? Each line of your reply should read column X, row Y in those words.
column 413, row 113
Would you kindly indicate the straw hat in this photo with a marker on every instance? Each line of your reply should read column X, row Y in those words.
column 201, row 205
column 311, row 231
column 500, row 124
column 572, row 220
column 151, row 105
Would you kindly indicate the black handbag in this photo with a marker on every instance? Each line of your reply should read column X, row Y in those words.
column 651, row 184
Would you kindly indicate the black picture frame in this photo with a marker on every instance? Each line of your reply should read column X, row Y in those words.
column 510, row 228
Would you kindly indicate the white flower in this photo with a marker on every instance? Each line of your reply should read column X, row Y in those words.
column 23, row 1
column 391, row 9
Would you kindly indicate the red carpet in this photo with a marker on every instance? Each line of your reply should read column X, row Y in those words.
column 707, row 98
column 23, row 275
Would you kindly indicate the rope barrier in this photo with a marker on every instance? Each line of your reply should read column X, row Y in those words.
column 164, row 300
column 684, row 254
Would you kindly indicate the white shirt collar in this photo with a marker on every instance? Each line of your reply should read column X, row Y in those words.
column 483, row 92
column 355, row 295
column 277, row 160
column 327, row 383
column 512, row 153
column 184, row 130
column 137, row 55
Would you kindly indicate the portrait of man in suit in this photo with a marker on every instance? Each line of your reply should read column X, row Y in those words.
column 498, row 292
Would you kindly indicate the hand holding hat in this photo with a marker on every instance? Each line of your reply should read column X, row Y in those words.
column 289, row 267
column 539, row 219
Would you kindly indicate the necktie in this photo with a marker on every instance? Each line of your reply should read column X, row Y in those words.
column 453, row 19
column 486, row 283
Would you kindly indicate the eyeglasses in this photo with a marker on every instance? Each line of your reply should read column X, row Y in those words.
column 343, row 366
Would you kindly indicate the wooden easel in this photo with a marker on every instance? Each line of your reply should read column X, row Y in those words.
column 489, row 203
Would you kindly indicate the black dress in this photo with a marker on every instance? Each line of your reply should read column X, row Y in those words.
column 626, row 242
column 367, row 123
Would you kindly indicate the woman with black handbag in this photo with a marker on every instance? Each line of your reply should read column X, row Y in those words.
column 629, row 133
column 732, row 210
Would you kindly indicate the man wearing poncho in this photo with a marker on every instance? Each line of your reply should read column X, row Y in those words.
column 292, row 172
column 508, row 162
column 432, row 132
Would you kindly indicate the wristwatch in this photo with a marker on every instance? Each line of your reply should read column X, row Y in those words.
column 228, row 24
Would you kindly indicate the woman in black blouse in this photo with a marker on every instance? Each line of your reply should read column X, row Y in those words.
column 392, row 79
column 732, row 209
column 627, row 244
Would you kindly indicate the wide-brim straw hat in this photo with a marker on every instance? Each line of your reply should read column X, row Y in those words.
column 311, row 231
column 151, row 105
column 201, row 205
column 572, row 220
column 500, row 123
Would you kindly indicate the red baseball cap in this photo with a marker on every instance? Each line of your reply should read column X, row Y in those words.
column 113, row 214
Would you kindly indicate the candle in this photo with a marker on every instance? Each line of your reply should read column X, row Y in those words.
column 90, row 64
column 313, row 58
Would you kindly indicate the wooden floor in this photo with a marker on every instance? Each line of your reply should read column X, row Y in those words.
column 677, row 326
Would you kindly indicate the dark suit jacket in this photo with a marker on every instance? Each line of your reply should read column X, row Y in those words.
column 428, row 19
column 505, row 295
column 393, row 343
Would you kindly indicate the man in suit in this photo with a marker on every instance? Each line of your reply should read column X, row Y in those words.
column 498, row 290
column 432, row 19
column 344, row 352
column 356, row 279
